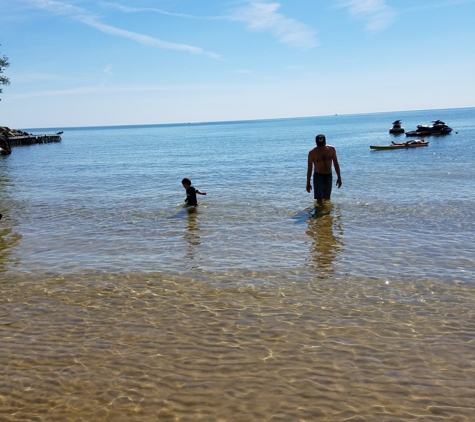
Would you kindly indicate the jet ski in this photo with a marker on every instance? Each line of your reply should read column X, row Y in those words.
column 438, row 127
column 396, row 128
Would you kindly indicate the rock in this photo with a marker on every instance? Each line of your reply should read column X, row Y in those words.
column 7, row 132
column 5, row 148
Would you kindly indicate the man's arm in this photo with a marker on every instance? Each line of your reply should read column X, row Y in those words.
column 309, row 171
column 337, row 169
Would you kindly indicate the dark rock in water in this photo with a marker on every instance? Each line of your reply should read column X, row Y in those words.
column 5, row 148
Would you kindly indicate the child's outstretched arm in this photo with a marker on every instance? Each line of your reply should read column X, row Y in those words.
column 201, row 193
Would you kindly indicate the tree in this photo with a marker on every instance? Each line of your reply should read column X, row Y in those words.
column 3, row 79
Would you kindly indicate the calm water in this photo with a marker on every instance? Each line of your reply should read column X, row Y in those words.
column 120, row 304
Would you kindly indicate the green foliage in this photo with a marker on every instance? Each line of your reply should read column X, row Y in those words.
column 3, row 64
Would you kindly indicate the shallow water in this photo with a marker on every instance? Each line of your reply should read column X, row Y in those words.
column 120, row 304
column 216, row 348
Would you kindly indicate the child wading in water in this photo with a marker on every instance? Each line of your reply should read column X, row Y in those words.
column 190, row 192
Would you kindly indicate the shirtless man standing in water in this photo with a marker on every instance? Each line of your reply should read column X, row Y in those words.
column 320, row 159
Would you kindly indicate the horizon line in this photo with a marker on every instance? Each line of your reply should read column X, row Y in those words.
column 210, row 122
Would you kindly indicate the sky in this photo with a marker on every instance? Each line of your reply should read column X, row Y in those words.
column 129, row 62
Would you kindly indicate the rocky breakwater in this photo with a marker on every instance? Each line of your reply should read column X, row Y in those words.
column 11, row 138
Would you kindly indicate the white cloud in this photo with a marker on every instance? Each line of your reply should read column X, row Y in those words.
column 376, row 13
column 258, row 15
column 108, row 69
column 261, row 16
column 93, row 21
column 128, row 9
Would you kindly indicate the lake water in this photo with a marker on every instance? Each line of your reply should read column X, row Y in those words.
column 117, row 303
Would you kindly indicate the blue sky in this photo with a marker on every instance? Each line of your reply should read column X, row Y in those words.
column 94, row 63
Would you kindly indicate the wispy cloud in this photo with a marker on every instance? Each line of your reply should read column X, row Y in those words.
column 35, row 77
column 93, row 21
column 258, row 15
column 376, row 13
column 108, row 69
column 262, row 16
column 101, row 89
column 449, row 3
column 128, row 9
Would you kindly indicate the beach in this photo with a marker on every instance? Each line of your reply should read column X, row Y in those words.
column 120, row 304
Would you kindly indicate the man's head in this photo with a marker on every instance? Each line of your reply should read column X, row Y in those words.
column 186, row 183
column 320, row 140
